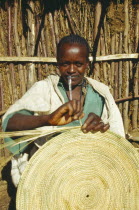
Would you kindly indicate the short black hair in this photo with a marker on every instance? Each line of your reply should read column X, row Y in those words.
column 73, row 38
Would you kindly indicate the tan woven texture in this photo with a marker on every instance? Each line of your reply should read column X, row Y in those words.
column 76, row 171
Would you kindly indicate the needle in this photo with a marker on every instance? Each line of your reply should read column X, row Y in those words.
column 70, row 93
column 70, row 87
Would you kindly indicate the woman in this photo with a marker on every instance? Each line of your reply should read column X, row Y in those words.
column 52, row 103
column 72, row 57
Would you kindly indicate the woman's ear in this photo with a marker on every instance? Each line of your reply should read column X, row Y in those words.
column 87, row 69
column 57, row 66
column 87, row 65
column 57, row 70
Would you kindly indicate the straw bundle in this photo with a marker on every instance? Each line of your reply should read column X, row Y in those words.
column 81, row 171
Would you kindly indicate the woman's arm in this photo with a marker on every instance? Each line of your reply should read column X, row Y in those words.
column 65, row 114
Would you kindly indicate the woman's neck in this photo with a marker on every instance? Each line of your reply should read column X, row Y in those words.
column 76, row 93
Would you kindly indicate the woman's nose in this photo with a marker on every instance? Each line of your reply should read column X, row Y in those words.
column 71, row 68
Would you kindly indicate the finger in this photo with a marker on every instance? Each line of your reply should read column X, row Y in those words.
column 93, row 126
column 79, row 107
column 78, row 112
column 86, row 123
column 98, row 127
column 76, row 106
column 78, row 116
column 92, row 120
column 71, row 107
column 105, row 127
column 66, row 108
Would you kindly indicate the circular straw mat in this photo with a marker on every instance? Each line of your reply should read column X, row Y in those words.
column 76, row 171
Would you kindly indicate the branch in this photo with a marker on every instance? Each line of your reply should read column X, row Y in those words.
column 53, row 60
column 127, row 99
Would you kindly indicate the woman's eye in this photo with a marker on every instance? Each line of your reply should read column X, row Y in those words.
column 78, row 64
column 64, row 64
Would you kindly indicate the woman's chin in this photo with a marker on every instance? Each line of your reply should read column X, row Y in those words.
column 74, row 82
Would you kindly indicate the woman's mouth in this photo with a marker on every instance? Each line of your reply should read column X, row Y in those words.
column 72, row 77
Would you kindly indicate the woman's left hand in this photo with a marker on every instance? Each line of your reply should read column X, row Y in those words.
column 94, row 123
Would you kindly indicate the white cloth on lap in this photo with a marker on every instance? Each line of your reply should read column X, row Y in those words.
column 18, row 165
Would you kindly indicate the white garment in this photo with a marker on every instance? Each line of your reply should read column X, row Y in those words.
column 44, row 97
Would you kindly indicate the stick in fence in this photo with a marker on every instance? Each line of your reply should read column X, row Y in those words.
column 31, row 46
column 11, row 67
column 70, row 20
column 120, row 70
column 52, row 32
column 113, row 42
column 1, row 93
column 96, row 46
column 136, row 75
column 103, row 52
column 126, row 70
column 47, row 36
column 56, row 26
column 44, row 47
column 18, row 50
column 38, row 46
column 116, row 70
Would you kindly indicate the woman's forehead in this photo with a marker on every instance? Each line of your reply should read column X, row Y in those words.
column 73, row 48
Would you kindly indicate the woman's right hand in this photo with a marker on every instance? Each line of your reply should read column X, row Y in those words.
column 66, row 113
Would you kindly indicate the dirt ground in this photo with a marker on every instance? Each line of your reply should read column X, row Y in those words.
column 7, row 189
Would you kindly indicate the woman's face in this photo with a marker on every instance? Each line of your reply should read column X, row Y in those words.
column 72, row 61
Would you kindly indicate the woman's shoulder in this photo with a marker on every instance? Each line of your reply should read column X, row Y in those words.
column 49, row 80
column 52, row 78
column 96, row 83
